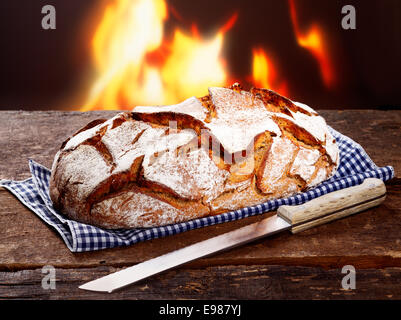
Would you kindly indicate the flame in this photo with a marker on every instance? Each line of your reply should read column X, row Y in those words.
column 127, row 31
column 192, row 66
column 264, row 73
column 136, row 65
column 313, row 40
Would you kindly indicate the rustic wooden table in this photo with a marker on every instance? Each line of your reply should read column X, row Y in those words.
column 302, row 266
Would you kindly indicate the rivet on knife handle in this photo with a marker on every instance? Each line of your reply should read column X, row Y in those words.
column 334, row 205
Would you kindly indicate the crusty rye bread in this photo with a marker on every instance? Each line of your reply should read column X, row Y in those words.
column 167, row 164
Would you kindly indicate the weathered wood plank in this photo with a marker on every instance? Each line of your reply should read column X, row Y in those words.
column 255, row 282
column 370, row 239
column 379, row 133
column 36, row 135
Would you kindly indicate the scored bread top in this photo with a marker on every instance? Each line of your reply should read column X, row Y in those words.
column 166, row 164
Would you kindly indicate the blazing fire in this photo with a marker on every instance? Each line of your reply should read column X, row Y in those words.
column 313, row 40
column 264, row 74
column 138, row 64
column 192, row 66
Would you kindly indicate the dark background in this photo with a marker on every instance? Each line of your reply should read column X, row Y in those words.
column 52, row 69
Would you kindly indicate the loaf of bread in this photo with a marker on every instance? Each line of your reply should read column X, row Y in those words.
column 167, row 164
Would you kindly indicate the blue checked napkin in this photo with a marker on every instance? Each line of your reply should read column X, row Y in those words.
column 355, row 167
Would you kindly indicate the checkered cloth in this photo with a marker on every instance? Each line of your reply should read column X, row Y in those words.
column 355, row 166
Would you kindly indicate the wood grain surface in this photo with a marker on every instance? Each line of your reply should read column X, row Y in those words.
column 305, row 265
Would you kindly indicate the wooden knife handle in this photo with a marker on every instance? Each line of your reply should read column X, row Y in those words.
column 334, row 205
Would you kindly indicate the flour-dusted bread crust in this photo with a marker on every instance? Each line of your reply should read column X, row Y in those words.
column 167, row 164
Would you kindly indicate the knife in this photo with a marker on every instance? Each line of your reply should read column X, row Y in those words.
column 329, row 207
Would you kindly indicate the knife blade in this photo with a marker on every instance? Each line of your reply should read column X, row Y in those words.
column 332, row 206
